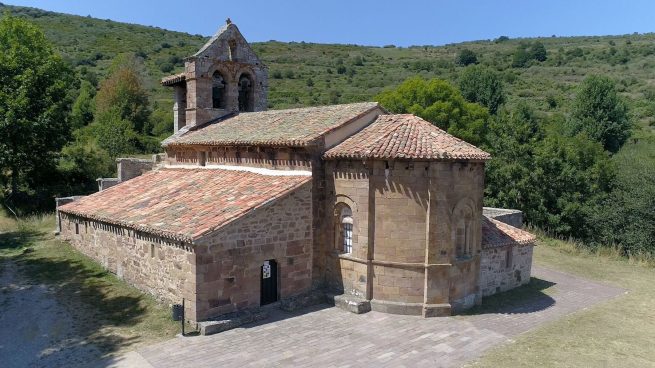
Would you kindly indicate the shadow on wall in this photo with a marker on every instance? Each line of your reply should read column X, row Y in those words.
column 56, row 309
column 529, row 298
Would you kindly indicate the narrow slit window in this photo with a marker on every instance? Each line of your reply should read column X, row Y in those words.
column 152, row 250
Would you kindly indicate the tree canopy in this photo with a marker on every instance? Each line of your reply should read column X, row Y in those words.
column 466, row 57
column 36, row 88
column 438, row 102
column 482, row 85
column 599, row 112
column 123, row 93
column 556, row 179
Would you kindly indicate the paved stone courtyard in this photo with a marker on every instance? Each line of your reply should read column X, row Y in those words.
column 329, row 337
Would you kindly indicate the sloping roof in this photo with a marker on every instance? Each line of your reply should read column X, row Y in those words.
column 405, row 136
column 499, row 234
column 173, row 79
column 183, row 204
column 291, row 127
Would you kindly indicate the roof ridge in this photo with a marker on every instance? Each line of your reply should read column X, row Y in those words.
column 405, row 136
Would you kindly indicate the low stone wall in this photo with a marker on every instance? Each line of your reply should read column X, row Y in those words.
column 508, row 216
column 161, row 267
column 498, row 273
column 60, row 202
column 129, row 168
column 106, row 183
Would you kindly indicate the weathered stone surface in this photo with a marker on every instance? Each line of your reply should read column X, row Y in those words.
column 304, row 300
column 505, row 268
column 60, row 202
column 350, row 303
column 231, row 321
column 129, row 168
column 155, row 265
column 230, row 259
column 228, row 55
column 508, row 216
column 106, row 183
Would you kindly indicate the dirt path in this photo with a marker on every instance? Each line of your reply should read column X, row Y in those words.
column 36, row 330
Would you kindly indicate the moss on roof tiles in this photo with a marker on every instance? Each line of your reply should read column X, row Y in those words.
column 291, row 127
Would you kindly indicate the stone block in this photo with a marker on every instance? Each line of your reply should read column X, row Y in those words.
column 231, row 321
column 350, row 303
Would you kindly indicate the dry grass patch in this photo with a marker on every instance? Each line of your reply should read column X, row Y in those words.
column 618, row 333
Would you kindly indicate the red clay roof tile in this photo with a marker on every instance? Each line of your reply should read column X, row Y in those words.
column 289, row 128
column 173, row 79
column 405, row 136
column 498, row 234
column 183, row 204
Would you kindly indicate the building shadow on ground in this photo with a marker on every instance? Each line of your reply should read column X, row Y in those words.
column 78, row 306
column 529, row 298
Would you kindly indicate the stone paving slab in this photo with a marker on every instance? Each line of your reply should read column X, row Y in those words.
column 329, row 337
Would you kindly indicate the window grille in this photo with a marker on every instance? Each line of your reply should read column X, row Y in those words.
column 347, row 237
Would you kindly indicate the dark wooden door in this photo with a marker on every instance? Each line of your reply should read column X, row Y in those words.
column 268, row 282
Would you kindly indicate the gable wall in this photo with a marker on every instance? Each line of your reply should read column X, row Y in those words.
column 200, row 68
column 229, row 261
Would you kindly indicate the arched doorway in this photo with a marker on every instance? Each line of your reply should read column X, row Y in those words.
column 268, row 290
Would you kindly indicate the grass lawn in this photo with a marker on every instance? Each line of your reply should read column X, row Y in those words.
column 618, row 333
column 107, row 312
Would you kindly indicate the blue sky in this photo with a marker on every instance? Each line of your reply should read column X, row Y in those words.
column 364, row 22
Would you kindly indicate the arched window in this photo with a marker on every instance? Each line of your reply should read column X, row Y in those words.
column 463, row 227
column 218, row 91
column 347, row 229
column 343, row 228
column 245, row 93
column 463, row 238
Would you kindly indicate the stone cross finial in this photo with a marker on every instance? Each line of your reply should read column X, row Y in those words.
column 228, row 21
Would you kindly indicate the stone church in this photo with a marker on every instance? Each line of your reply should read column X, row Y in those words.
column 251, row 206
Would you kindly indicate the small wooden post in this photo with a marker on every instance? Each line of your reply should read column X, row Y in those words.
column 182, row 316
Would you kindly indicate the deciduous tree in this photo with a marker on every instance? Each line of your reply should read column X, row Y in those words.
column 35, row 98
column 438, row 102
column 481, row 85
column 599, row 112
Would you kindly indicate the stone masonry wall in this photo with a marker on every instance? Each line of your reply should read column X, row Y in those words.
column 401, row 211
column 350, row 182
column 229, row 261
column 497, row 274
column 402, row 214
column 163, row 268
column 230, row 55
column 508, row 216
column 454, row 184
column 129, row 168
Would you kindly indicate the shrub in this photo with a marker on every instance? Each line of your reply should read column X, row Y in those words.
column 466, row 57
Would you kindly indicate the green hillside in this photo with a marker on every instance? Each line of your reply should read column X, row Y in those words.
column 564, row 151
column 304, row 74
